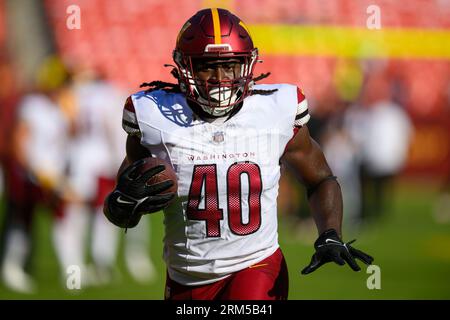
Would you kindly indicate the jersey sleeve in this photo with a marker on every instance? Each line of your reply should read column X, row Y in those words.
column 302, row 116
column 129, row 119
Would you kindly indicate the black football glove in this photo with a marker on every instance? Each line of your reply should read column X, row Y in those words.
column 133, row 197
column 329, row 247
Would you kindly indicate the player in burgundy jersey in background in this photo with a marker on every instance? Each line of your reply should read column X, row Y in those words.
column 225, row 136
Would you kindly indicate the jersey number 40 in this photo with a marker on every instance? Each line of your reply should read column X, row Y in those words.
column 205, row 177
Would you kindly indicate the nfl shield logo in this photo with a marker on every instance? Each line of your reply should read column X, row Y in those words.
column 218, row 137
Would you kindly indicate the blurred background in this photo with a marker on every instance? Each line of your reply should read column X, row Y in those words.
column 377, row 78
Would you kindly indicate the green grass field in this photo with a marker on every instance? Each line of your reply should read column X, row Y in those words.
column 412, row 250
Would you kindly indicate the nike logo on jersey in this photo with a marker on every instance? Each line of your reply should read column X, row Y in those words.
column 120, row 200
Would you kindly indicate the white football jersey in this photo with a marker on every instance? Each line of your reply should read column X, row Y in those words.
column 45, row 148
column 225, row 215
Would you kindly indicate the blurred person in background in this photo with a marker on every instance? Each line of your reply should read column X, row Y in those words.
column 34, row 171
column 384, row 133
column 95, row 151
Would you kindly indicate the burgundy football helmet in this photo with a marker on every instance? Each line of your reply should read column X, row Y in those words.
column 215, row 34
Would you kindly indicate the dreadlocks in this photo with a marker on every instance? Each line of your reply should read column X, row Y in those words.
column 175, row 88
column 161, row 85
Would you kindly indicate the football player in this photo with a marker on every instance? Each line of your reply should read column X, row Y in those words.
column 225, row 137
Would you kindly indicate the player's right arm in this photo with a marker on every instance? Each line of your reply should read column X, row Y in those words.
column 132, row 196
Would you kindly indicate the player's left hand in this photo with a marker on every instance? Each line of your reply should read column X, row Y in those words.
column 330, row 248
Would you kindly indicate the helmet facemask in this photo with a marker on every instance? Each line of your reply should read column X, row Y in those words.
column 216, row 97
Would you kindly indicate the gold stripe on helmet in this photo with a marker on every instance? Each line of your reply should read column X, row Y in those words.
column 216, row 25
